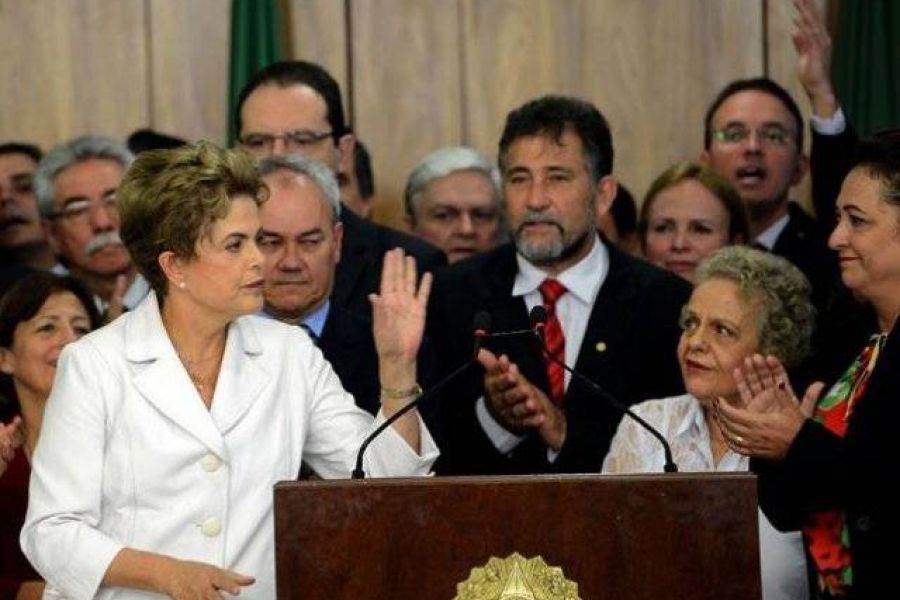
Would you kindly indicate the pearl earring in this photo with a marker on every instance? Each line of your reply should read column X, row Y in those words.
column 182, row 285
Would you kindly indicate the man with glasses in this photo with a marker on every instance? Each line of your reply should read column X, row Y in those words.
column 753, row 136
column 294, row 107
column 76, row 186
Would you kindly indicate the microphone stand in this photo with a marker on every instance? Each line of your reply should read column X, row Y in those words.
column 538, row 318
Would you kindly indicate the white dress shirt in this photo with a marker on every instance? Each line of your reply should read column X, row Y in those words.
column 680, row 420
column 582, row 281
column 129, row 456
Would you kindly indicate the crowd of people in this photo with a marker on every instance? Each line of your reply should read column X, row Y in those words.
column 184, row 325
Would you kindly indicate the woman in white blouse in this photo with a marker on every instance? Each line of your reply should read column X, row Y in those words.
column 167, row 429
column 745, row 302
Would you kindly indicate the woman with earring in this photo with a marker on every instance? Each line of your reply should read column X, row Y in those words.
column 167, row 429
column 827, row 465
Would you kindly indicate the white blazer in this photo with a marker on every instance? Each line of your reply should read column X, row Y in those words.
column 130, row 457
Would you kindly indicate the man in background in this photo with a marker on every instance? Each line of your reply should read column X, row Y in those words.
column 452, row 200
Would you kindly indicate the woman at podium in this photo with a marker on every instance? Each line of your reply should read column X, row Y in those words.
column 745, row 302
column 167, row 429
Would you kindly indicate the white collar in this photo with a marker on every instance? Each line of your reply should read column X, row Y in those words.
column 583, row 279
column 768, row 237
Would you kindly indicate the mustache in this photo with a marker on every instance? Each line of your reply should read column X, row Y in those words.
column 531, row 217
column 13, row 214
column 101, row 241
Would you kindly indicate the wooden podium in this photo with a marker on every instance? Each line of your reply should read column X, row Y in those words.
column 625, row 537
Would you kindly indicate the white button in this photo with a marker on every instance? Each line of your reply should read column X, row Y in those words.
column 211, row 527
column 210, row 462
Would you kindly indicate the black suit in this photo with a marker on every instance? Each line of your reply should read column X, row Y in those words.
column 629, row 348
column 822, row 471
column 347, row 344
column 362, row 250
column 804, row 242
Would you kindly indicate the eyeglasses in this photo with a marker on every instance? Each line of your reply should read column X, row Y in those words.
column 769, row 135
column 80, row 210
column 294, row 141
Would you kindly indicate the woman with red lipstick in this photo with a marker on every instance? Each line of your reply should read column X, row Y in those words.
column 689, row 212
column 167, row 429
column 38, row 316
column 745, row 301
column 828, row 464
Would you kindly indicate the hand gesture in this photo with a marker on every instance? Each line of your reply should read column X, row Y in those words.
column 189, row 580
column 770, row 414
column 517, row 404
column 398, row 310
column 11, row 437
column 813, row 45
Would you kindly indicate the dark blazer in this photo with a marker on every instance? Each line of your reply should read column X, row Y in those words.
column 804, row 242
column 831, row 158
column 629, row 348
column 347, row 343
column 858, row 474
column 362, row 250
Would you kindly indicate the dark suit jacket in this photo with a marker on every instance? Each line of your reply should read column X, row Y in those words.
column 362, row 250
column 858, row 474
column 348, row 344
column 635, row 317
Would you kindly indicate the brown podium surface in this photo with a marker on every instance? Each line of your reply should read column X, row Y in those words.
column 637, row 537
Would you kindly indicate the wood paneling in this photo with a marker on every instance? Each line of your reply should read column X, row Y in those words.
column 317, row 32
column 406, row 81
column 72, row 68
column 188, row 46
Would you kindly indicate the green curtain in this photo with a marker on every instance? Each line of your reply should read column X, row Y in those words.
column 866, row 67
column 255, row 43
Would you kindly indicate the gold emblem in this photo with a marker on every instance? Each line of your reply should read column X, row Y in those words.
column 517, row 578
column 600, row 347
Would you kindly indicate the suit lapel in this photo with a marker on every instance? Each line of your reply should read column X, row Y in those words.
column 161, row 379
column 610, row 320
column 241, row 379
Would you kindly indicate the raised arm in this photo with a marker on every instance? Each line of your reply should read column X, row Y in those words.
column 398, row 320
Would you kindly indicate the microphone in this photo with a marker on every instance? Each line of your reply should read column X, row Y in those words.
column 538, row 319
column 481, row 327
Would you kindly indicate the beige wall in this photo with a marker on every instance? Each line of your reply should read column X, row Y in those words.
column 424, row 73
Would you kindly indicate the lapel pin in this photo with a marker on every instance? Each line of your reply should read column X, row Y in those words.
column 600, row 347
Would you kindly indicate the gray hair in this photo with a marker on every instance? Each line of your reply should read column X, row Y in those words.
column 443, row 162
column 315, row 170
column 787, row 316
column 67, row 153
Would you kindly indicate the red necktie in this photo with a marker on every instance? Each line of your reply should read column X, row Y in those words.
column 555, row 341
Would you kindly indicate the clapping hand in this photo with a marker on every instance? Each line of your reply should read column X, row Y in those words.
column 770, row 415
column 517, row 404
column 11, row 437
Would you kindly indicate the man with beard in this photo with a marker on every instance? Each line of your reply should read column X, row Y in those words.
column 23, row 244
column 76, row 186
column 613, row 317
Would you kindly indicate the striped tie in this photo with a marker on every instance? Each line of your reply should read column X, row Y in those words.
column 555, row 341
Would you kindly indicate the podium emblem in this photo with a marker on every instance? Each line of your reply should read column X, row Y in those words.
column 517, row 578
